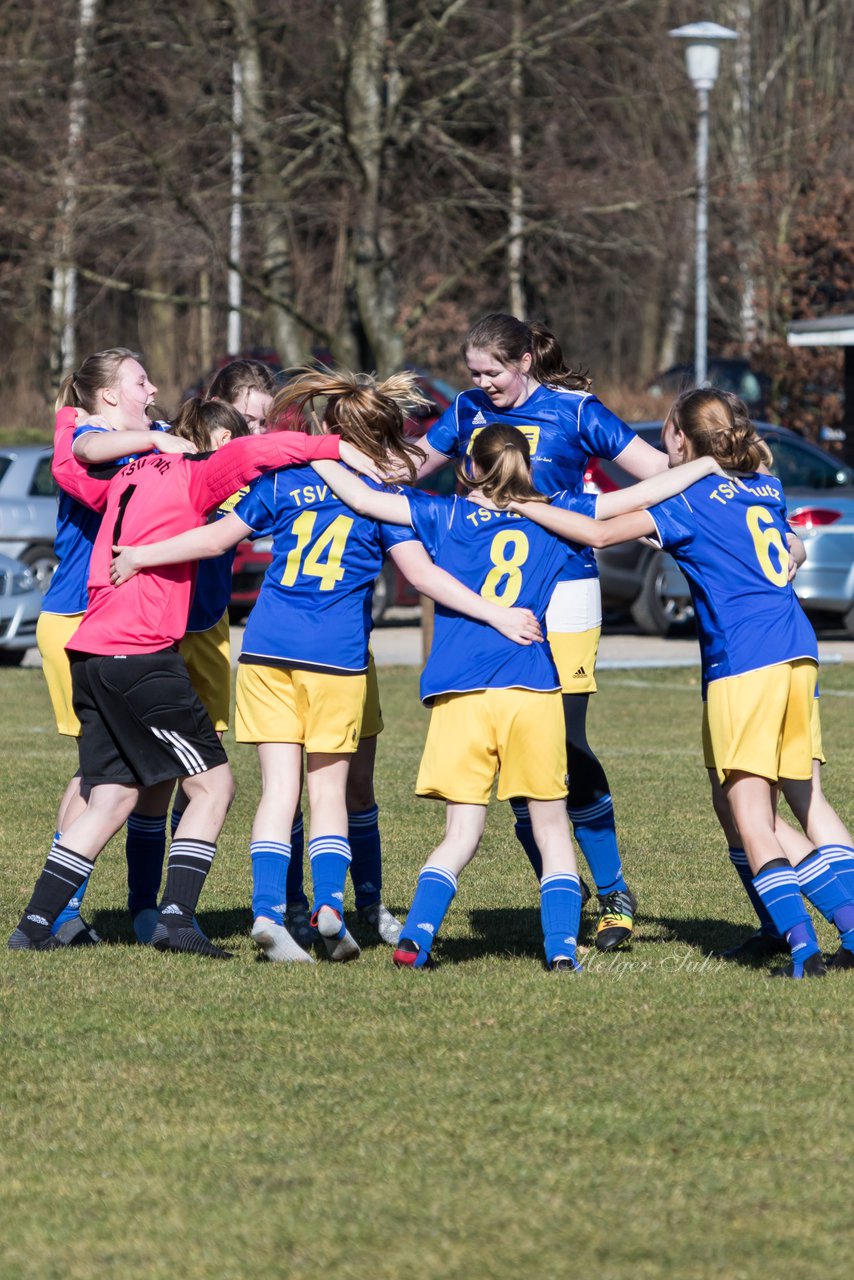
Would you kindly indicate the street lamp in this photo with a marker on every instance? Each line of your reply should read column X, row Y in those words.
column 703, row 42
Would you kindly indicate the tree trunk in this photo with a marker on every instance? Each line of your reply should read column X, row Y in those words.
column 516, row 243
column 63, row 299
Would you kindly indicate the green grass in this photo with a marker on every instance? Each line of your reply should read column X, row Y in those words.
column 664, row 1115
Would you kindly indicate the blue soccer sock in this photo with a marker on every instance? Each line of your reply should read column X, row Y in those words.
column 827, row 892
column 560, row 912
column 738, row 858
column 330, row 858
column 434, row 894
column 72, row 911
column 295, row 890
column 777, row 886
column 270, row 859
column 596, row 834
column 841, row 859
column 366, row 868
column 145, row 848
column 525, row 835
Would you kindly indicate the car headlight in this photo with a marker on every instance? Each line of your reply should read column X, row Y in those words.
column 22, row 581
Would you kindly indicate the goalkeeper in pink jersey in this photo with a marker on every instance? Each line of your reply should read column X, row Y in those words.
column 142, row 721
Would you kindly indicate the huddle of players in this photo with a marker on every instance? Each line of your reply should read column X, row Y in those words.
column 502, row 702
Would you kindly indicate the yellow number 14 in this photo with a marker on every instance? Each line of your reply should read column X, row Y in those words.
column 333, row 540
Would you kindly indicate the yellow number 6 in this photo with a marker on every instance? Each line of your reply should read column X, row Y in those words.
column 764, row 539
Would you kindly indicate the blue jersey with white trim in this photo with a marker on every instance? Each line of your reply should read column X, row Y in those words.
column 505, row 558
column 729, row 539
column 314, row 607
column 563, row 428
column 76, row 529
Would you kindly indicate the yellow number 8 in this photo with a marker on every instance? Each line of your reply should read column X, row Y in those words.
column 508, row 568
column 764, row 539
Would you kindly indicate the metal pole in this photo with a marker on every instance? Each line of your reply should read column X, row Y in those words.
column 235, row 284
column 701, row 324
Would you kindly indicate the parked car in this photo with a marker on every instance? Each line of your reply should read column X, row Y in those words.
column 20, row 604
column 28, row 495
column 819, row 491
column 729, row 374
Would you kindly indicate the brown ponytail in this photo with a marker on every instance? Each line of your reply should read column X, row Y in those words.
column 198, row 420
column 369, row 414
column 717, row 424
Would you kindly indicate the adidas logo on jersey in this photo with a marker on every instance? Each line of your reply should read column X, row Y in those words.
column 478, row 420
column 580, row 672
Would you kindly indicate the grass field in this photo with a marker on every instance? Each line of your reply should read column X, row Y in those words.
column 664, row 1115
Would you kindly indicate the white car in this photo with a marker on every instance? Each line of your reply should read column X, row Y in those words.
column 20, row 604
column 28, row 502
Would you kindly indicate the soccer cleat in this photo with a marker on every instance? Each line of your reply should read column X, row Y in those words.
column 564, row 964
column 616, row 919
column 77, row 933
column 812, row 967
column 841, row 959
column 755, row 948
column 20, row 941
column 276, row 943
column 379, row 919
column 408, row 955
column 298, row 925
column 186, row 937
column 342, row 949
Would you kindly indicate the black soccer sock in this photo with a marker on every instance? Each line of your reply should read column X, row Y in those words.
column 64, row 872
column 186, row 871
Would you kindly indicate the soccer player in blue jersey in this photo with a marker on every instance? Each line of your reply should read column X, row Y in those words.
column 521, row 379
column 301, row 682
column 496, row 707
column 110, row 388
column 759, row 661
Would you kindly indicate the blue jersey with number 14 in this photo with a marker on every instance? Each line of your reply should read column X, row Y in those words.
column 729, row 539
column 504, row 558
column 314, row 607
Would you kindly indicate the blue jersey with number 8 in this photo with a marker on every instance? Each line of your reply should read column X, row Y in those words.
column 314, row 607
column 506, row 559
column 729, row 539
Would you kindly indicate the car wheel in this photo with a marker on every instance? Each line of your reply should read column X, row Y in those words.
column 41, row 560
column 655, row 611
column 382, row 594
column 12, row 657
column 848, row 621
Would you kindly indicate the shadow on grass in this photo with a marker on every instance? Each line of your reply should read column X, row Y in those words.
column 115, row 926
column 704, row 934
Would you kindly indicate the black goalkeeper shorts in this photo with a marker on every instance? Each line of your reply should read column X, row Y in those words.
column 142, row 721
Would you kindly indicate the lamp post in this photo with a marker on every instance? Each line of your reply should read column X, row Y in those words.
column 703, row 42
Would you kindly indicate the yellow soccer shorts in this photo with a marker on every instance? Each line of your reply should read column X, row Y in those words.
column 573, row 629
column 208, row 658
column 517, row 734
column 320, row 711
column 53, row 631
column 372, row 717
column 764, row 722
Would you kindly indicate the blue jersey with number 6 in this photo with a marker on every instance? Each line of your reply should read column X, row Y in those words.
column 729, row 539
column 506, row 559
column 314, row 607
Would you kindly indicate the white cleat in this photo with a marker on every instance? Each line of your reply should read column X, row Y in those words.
column 339, row 948
column 276, row 943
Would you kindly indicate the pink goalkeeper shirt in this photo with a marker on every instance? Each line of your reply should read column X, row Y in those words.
column 156, row 497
